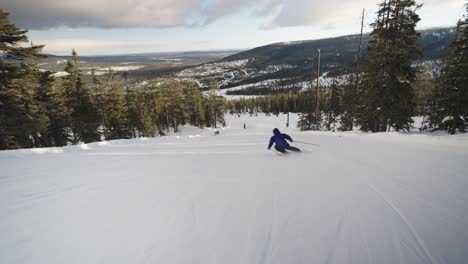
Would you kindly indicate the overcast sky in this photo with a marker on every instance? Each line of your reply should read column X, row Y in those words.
column 97, row 27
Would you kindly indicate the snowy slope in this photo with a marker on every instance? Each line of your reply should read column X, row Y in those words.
column 200, row 198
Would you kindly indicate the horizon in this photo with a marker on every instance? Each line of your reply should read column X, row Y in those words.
column 178, row 52
column 94, row 29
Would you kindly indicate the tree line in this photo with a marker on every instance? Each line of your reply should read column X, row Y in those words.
column 385, row 90
column 38, row 110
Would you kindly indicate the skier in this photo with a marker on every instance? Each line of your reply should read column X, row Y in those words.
column 281, row 144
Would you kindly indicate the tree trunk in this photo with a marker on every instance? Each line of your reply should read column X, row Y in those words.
column 215, row 121
column 453, row 129
column 383, row 123
column 167, row 120
column 376, row 124
column 2, row 143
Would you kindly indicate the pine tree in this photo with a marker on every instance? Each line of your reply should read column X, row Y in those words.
column 147, row 111
column 98, row 90
column 214, row 106
column 133, row 105
column 175, row 104
column 388, row 94
column 162, row 108
column 350, row 101
column 350, row 97
column 307, row 106
column 194, row 104
column 78, row 97
column 424, row 92
column 451, row 98
column 332, row 106
column 115, row 110
column 50, row 96
column 20, row 120
column 36, row 121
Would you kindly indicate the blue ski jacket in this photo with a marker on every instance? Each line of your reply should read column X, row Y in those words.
column 280, row 140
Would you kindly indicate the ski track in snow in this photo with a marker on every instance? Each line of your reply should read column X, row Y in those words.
column 334, row 245
column 199, row 198
column 419, row 241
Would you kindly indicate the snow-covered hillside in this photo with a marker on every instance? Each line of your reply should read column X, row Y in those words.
column 294, row 62
column 234, row 73
column 200, row 198
column 230, row 72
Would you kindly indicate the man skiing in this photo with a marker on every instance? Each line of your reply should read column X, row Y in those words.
column 280, row 142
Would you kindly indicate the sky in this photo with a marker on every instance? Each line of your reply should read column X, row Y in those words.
column 104, row 27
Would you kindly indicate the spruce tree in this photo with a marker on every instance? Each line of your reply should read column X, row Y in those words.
column 98, row 89
column 350, row 97
column 388, row 94
column 193, row 99
column 349, row 102
column 214, row 106
column 50, row 96
column 115, row 110
column 175, row 104
column 307, row 106
column 332, row 106
column 78, row 97
column 451, row 98
column 35, row 121
column 147, row 111
column 424, row 92
column 20, row 118
column 162, row 110
column 133, row 109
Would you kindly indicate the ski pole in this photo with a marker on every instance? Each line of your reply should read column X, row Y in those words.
column 306, row 143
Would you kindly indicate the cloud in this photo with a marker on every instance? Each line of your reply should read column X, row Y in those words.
column 329, row 13
column 326, row 13
column 44, row 14
column 216, row 9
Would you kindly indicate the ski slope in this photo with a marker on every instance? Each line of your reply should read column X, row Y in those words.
column 199, row 198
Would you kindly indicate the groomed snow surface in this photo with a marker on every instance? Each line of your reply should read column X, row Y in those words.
column 200, row 198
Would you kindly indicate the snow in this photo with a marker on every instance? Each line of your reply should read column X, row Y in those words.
column 97, row 73
column 287, row 43
column 327, row 81
column 213, row 68
column 194, row 197
column 230, row 73
column 251, row 85
column 236, row 97
column 122, row 68
column 105, row 70
column 447, row 118
column 60, row 74
column 169, row 59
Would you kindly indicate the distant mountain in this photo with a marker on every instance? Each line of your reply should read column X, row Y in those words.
column 139, row 66
column 294, row 63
